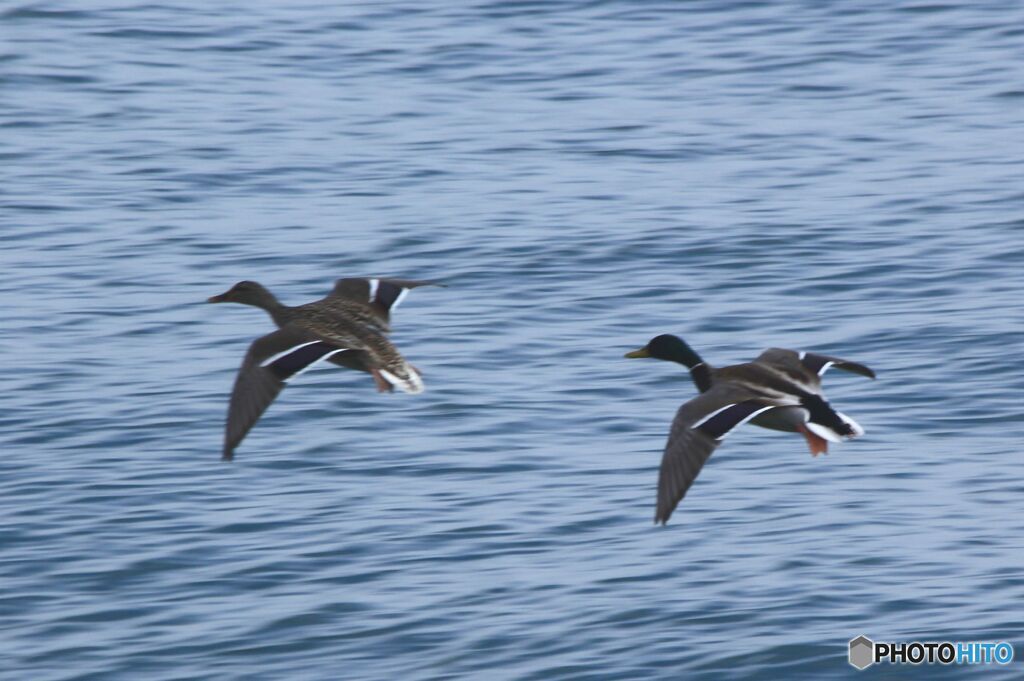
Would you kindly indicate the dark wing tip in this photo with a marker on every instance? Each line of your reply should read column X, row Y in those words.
column 347, row 285
column 664, row 511
column 256, row 385
column 413, row 283
column 856, row 368
column 819, row 364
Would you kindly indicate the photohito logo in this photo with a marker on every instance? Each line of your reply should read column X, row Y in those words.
column 864, row 652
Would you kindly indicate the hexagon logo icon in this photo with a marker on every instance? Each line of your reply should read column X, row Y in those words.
column 862, row 652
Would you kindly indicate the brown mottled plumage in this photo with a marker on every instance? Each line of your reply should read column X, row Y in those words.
column 347, row 328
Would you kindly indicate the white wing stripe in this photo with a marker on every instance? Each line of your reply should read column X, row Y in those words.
column 752, row 415
column 400, row 298
column 308, row 366
column 287, row 351
column 700, row 423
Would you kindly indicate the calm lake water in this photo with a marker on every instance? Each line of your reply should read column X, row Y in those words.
column 838, row 177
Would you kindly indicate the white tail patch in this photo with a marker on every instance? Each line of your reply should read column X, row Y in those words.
column 833, row 436
column 412, row 385
column 857, row 429
column 823, row 432
column 374, row 283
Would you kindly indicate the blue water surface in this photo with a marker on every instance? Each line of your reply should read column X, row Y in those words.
column 838, row 177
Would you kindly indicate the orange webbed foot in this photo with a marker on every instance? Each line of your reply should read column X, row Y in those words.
column 817, row 445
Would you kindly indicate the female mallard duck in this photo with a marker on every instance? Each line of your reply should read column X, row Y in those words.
column 347, row 328
column 781, row 389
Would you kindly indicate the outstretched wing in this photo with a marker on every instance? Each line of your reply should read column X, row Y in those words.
column 819, row 364
column 382, row 295
column 809, row 364
column 698, row 428
column 270, row 363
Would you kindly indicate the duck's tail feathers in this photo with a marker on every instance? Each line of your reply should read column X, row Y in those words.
column 823, row 432
column 830, row 434
column 405, row 377
column 857, row 429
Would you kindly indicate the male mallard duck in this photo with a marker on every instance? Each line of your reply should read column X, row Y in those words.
column 347, row 328
column 781, row 389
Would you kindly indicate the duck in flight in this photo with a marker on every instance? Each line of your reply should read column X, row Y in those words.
column 781, row 390
column 347, row 328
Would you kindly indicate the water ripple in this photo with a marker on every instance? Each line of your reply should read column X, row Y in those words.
column 582, row 176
